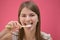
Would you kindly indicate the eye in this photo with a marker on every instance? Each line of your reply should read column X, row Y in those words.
column 31, row 15
column 23, row 15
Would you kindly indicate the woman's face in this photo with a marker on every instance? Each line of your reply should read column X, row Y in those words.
column 28, row 17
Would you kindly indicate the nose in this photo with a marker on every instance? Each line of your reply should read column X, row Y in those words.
column 28, row 19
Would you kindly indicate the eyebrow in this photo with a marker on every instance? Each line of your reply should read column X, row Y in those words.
column 24, row 13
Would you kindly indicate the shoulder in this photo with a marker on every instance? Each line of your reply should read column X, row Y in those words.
column 46, row 36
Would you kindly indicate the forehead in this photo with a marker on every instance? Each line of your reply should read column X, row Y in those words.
column 26, row 10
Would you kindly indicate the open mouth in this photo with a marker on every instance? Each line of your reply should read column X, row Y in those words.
column 27, row 25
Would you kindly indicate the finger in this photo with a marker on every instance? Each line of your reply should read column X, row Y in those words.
column 10, row 25
column 18, row 24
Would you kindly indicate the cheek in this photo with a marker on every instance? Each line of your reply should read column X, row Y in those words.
column 35, row 19
column 21, row 19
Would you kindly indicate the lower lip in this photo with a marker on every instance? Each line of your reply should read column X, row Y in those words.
column 29, row 27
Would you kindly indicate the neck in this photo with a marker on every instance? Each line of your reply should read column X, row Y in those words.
column 30, row 34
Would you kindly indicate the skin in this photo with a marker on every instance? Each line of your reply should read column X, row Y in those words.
column 12, row 26
column 28, row 16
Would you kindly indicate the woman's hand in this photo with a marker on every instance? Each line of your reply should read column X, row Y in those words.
column 12, row 26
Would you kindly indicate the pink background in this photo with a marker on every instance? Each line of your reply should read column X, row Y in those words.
column 50, row 15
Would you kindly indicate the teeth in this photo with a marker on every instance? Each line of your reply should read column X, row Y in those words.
column 27, row 25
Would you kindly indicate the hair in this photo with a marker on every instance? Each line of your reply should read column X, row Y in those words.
column 30, row 5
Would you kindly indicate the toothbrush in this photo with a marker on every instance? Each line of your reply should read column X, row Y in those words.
column 26, row 26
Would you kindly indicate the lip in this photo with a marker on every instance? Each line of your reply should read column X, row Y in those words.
column 28, row 24
column 28, row 27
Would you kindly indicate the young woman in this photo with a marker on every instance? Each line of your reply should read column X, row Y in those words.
column 28, row 25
